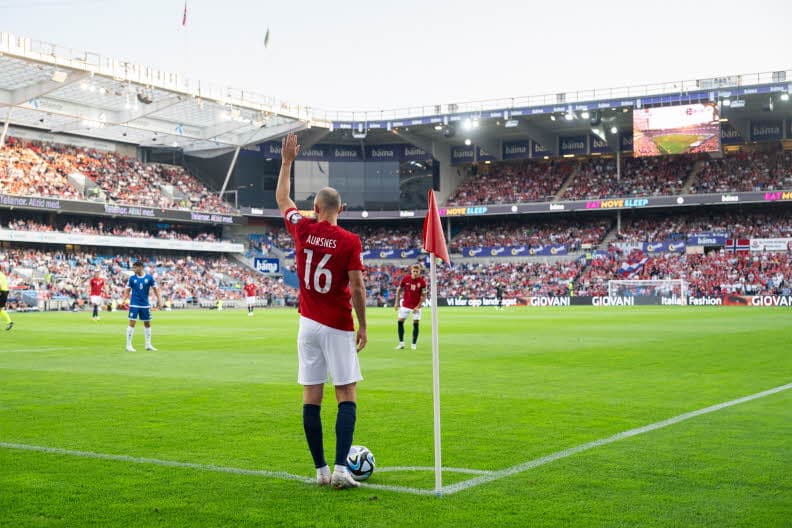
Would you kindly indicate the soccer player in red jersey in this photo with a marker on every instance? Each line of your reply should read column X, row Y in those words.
column 330, row 271
column 410, row 296
column 250, row 297
column 96, row 293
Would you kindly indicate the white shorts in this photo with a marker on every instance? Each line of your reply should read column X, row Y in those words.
column 404, row 312
column 97, row 300
column 323, row 350
column 250, row 301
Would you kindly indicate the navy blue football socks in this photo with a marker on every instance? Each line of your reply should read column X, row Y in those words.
column 401, row 331
column 312, row 423
column 345, row 430
column 415, row 332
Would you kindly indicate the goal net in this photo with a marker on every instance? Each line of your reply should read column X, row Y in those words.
column 674, row 291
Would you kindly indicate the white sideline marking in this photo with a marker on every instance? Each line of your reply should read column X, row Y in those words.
column 202, row 467
column 485, row 476
column 525, row 466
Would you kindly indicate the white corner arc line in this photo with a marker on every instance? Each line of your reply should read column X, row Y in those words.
column 525, row 466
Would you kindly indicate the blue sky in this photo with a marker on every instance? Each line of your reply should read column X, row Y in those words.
column 373, row 55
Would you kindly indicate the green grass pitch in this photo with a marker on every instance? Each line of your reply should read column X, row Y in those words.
column 675, row 143
column 516, row 385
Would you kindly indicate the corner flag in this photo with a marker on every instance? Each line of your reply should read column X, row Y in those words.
column 184, row 16
column 433, row 236
column 434, row 243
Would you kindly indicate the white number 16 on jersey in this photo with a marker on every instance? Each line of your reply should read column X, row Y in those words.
column 320, row 272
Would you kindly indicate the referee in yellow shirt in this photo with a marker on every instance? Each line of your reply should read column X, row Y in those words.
column 3, row 298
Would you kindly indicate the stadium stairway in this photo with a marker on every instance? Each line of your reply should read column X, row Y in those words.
column 567, row 183
column 693, row 176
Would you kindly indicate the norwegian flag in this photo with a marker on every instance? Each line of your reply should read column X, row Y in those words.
column 738, row 244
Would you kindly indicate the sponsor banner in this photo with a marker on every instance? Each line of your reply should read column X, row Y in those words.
column 626, row 142
column 587, row 300
column 572, row 145
column 545, row 207
column 383, row 152
column 598, row 145
column 412, row 153
column 483, row 155
column 267, row 265
column 466, row 301
column 758, row 300
column 766, row 130
column 462, row 154
column 289, row 253
column 516, row 251
column 516, row 149
column 126, row 211
column 704, row 239
column 664, row 247
column 388, row 253
column 730, row 135
column 617, row 203
column 539, row 151
column 771, row 244
column 80, row 239
column 272, row 149
column 777, row 195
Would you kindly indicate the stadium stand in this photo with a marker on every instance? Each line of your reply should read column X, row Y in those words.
column 110, row 229
column 652, row 176
column 744, row 171
column 572, row 233
column 184, row 279
column 42, row 169
column 512, row 182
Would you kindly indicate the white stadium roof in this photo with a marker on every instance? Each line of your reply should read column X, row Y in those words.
column 61, row 90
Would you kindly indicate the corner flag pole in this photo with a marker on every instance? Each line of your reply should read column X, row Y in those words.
column 436, row 377
column 434, row 243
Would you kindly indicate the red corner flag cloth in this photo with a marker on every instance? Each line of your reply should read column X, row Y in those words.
column 433, row 237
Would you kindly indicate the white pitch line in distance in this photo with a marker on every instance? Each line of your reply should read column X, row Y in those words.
column 389, row 469
column 525, row 466
column 202, row 467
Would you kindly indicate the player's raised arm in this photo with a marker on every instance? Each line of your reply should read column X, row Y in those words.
column 358, row 289
column 289, row 151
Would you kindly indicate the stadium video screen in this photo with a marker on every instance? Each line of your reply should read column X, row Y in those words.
column 684, row 129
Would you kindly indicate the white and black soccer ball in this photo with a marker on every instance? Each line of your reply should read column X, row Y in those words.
column 360, row 462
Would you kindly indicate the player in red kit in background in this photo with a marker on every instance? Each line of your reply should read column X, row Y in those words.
column 96, row 292
column 330, row 271
column 410, row 296
column 250, row 297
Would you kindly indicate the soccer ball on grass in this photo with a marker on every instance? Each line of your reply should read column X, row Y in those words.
column 360, row 462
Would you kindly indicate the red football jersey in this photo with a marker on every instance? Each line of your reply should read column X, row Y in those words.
column 250, row 290
column 97, row 286
column 411, row 291
column 324, row 254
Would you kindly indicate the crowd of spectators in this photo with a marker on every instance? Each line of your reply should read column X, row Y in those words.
column 64, row 276
column 42, row 169
column 733, row 224
column 646, row 176
column 574, row 234
column 23, row 172
column 711, row 274
column 100, row 228
column 744, row 171
column 512, row 182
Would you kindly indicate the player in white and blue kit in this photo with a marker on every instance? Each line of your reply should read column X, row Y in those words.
column 137, row 294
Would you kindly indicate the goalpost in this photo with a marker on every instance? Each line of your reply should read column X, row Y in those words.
column 674, row 290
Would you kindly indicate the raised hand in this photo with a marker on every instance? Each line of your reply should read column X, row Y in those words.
column 289, row 148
